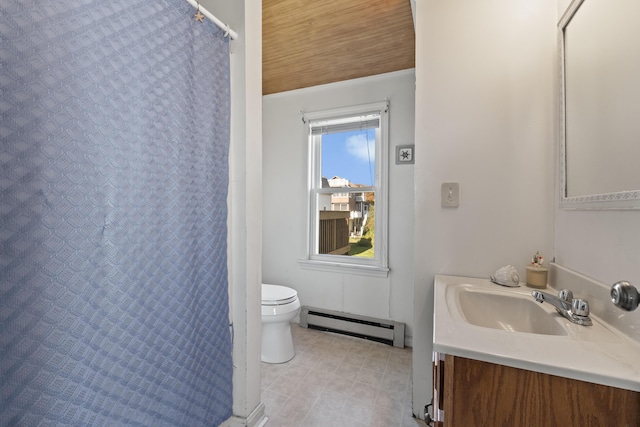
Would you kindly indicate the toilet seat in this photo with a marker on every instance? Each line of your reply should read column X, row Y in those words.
column 278, row 295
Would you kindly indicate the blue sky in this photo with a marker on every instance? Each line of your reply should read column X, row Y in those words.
column 350, row 155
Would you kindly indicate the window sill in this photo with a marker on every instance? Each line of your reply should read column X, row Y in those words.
column 341, row 267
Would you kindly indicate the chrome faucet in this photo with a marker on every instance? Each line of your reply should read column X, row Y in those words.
column 576, row 310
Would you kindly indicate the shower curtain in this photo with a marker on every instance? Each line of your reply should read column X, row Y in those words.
column 113, row 187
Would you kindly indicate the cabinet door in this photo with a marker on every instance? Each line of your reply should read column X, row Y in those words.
column 485, row 394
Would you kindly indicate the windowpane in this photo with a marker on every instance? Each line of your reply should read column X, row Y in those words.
column 349, row 157
column 362, row 238
column 346, row 228
column 333, row 232
column 347, row 179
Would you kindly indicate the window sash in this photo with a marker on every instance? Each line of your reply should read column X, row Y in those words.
column 346, row 190
column 378, row 265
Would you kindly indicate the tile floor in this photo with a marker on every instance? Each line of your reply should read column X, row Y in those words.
column 339, row 381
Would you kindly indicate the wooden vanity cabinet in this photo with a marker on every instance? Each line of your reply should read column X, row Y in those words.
column 476, row 393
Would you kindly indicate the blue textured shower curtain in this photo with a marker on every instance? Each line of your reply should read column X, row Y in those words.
column 113, row 186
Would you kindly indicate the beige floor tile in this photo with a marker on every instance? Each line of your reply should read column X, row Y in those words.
column 394, row 383
column 328, row 364
column 273, row 402
column 313, row 390
column 374, row 363
column 340, row 345
column 344, row 421
column 283, row 385
column 360, row 347
column 281, row 422
column 391, row 400
column 364, row 392
column 353, row 358
column 336, row 381
column 318, row 379
column 297, row 371
column 403, row 354
column 294, row 409
column 276, row 369
column 380, row 353
column 384, row 417
column 398, row 368
column 337, row 384
column 369, row 376
column 318, row 420
column 322, row 341
column 307, row 397
column 356, row 411
column 347, row 371
column 267, row 377
column 322, row 415
column 410, row 421
column 331, row 403
column 306, row 358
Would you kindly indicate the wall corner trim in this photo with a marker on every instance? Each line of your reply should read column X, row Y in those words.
column 256, row 418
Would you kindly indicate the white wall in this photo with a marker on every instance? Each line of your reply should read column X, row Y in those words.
column 485, row 117
column 285, row 199
column 562, row 7
column 604, row 245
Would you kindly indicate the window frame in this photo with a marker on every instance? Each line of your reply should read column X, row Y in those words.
column 378, row 265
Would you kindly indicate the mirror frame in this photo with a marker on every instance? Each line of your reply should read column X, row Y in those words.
column 617, row 200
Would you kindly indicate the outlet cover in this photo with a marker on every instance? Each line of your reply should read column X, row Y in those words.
column 450, row 193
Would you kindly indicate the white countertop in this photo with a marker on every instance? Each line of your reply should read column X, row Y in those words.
column 599, row 354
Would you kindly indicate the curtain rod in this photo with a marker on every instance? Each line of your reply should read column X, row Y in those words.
column 228, row 31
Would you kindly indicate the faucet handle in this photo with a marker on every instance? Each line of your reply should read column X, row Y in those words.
column 566, row 296
column 580, row 307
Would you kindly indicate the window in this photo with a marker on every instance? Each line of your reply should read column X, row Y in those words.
column 347, row 189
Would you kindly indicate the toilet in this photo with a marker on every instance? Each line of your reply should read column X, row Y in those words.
column 280, row 305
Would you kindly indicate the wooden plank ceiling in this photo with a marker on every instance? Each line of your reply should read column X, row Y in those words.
column 312, row 42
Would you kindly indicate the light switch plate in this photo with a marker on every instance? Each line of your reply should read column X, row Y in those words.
column 450, row 193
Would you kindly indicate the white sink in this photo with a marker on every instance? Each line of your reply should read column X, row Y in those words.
column 506, row 311
column 477, row 319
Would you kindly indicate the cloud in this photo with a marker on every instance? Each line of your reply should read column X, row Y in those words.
column 360, row 148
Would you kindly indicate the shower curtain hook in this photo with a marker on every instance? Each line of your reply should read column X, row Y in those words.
column 226, row 31
column 199, row 16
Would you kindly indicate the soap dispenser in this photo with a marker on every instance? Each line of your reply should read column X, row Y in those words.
column 536, row 272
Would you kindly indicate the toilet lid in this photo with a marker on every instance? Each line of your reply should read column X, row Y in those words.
column 277, row 295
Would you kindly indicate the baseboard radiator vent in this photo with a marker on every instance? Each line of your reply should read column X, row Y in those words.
column 384, row 331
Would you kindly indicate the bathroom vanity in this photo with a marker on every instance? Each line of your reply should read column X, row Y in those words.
column 502, row 359
column 477, row 393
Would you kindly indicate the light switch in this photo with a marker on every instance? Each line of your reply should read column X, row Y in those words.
column 450, row 193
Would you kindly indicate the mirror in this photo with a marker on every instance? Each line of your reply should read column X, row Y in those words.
column 600, row 105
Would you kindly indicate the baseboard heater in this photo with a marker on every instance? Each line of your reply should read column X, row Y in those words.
column 384, row 331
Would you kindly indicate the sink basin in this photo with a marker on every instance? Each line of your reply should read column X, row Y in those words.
column 477, row 319
column 506, row 311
